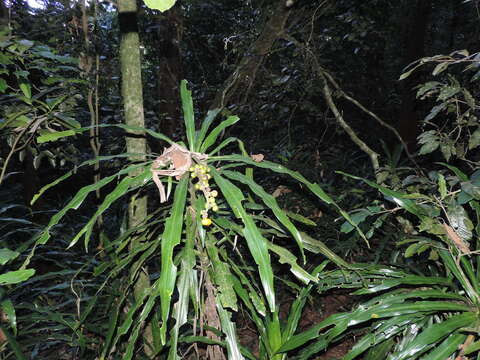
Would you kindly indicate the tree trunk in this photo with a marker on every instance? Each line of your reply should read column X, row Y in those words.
column 416, row 26
column 3, row 15
column 133, row 108
column 132, row 94
column 241, row 80
column 169, row 71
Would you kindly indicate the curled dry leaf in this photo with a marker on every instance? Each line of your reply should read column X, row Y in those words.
column 317, row 213
column 179, row 160
column 460, row 244
column 281, row 190
column 257, row 157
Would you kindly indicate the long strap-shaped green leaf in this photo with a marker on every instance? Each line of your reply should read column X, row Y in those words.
column 434, row 333
column 212, row 137
column 388, row 329
column 184, row 284
column 399, row 198
column 78, row 199
column 313, row 187
column 124, row 186
column 221, row 275
column 71, row 172
column 344, row 320
column 211, row 115
column 447, row 348
column 257, row 244
column 457, row 271
column 171, row 238
column 180, row 310
column 233, row 345
column 187, row 106
column 271, row 202
column 130, row 128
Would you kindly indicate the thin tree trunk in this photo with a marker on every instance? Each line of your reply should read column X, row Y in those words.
column 133, row 108
column 4, row 18
column 91, row 69
column 132, row 94
column 169, row 71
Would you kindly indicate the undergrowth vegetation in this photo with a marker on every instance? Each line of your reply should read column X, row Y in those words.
column 232, row 242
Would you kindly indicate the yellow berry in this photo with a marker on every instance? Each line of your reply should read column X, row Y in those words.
column 206, row 222
column 211, row 200
column 197, row 186
column 192, row 169
column 193, row 175
column 215, row 208
column 214, row 193
column 209, row 176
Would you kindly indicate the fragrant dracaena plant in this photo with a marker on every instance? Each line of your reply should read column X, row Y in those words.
column 211, row 245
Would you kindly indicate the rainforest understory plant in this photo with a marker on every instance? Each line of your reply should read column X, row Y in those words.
column 216, row 245
column 207, row 246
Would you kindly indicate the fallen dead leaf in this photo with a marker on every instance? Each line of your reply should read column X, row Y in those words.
column 460, row 244
column 281, row 190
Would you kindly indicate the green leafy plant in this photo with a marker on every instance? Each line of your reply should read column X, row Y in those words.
column 212, row 245
column 410, row 316
column 452, row 124
column 16, row 230
column 38, row 99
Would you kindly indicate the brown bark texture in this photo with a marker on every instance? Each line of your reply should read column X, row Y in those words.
column 238, row 85
column 169, row 71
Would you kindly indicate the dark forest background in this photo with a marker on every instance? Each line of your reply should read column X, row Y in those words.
column 372, row 102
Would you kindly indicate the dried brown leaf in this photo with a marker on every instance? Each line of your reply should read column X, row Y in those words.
column 460, row 244
column 281, row 190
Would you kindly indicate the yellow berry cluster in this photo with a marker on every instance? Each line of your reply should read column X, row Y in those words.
column 201, row 172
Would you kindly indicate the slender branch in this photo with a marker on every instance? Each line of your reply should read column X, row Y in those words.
column 373, row 115
column 327, row 93
column 10, row 154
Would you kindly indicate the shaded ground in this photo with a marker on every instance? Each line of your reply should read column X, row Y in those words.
column 315, row 311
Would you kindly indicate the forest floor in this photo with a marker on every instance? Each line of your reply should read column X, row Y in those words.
column 315, row 311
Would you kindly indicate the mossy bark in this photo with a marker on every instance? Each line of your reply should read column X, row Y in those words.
column 132, row 95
